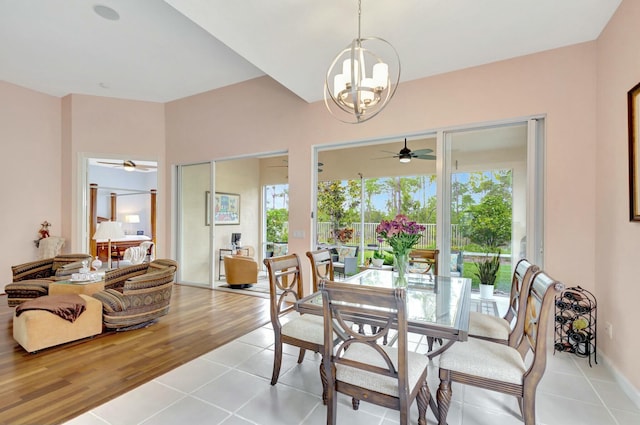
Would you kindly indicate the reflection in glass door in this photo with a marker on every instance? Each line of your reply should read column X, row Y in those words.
column 194, row 246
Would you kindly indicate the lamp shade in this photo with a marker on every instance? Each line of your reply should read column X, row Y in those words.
column 132, row 218
column 109, row 230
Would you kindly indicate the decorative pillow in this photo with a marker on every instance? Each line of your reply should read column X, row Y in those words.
column 419, row 266
column 279, row 249
column 453, row 263
column 346, row 251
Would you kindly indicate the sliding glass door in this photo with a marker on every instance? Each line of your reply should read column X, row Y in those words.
column 477, row 190
column 195, row 229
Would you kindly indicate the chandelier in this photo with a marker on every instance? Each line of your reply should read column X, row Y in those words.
column 359, row 82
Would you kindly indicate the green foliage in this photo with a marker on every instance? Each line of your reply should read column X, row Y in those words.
column 277, row 227
column 490, row 221
column 339, row 202
column 378, row 254
column 487, row 270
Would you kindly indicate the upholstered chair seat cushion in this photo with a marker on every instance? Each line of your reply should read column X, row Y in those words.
column 307, row 327
column 376, row 382
column 488, row 326
column 485, row 359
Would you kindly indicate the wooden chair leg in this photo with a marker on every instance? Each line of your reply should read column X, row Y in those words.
column 323, row 379
column 277, row 361
column 301, row 355
column 332, row 407
column 430, row 340
column 444, row 396
column 423, row 401
column 529, row 410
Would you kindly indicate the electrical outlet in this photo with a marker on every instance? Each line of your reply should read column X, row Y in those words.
column 608, row 329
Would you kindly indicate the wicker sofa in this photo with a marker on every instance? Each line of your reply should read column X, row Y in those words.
column 31, row 279
column 136, row 296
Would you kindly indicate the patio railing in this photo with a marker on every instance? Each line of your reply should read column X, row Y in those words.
column 325, row 234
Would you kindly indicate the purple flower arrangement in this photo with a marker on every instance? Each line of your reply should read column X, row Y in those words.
column 400, row 233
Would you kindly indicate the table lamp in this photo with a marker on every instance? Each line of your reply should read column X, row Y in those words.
column 109, row 230
column 132, row 218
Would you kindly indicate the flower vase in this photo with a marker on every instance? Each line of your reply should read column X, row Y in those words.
column 400, row 262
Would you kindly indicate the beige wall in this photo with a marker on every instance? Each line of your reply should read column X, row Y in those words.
column 30, row 174
column 581, row 89
column 617, row 240
column 99, row 127
column 559, row 83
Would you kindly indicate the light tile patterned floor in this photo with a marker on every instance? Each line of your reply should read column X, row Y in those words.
column 230, row 386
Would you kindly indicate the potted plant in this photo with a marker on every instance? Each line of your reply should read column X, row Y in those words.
column 486, row 272
column 378, row 257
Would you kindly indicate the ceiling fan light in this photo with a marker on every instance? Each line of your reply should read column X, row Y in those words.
column 129, row 165
column 405, row 159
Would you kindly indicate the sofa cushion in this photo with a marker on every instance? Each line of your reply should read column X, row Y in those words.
column 346, row 251
column 280, row 249
column 453, row 262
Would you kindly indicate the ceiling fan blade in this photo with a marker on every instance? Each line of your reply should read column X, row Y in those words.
column 422, row 151
column 425, row 156
column 392, row 153
column 145, row 167
column 110, row 163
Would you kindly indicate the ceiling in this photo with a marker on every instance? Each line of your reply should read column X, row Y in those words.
column 165, row 50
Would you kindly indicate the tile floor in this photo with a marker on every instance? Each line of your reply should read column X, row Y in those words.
column 230, row 386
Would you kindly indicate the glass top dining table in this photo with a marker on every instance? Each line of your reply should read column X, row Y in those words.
column 437, row 306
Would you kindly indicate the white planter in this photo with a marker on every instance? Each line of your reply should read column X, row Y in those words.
column 377, row 262
column 486, row 291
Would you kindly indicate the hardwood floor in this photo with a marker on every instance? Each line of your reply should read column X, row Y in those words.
column 59, row 383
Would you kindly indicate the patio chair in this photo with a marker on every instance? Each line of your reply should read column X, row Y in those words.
column 502, row 368
column 424, row 261
column 361, row 368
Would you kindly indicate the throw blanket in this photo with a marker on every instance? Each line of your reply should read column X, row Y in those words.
column 135, row 254
column 68, row 306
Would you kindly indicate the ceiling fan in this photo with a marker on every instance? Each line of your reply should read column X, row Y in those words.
column 320, row 164
column 129, row 165
column 405, row 155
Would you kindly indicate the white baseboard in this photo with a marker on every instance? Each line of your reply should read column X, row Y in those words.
column 632, row 392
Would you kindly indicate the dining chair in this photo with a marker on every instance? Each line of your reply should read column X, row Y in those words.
column 285, row 288
column 500, row 367
column 361, row 368
column 503, row 329
column 321, row 266
column 424, row 261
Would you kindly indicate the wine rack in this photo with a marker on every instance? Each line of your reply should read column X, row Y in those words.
column 575, row 323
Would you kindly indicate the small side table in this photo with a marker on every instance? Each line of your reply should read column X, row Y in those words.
column 69, row 287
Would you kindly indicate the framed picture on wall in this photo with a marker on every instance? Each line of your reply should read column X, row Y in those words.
column 633, row 100
column 227, row 208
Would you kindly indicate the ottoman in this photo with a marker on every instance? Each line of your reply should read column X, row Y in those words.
column 38, row 329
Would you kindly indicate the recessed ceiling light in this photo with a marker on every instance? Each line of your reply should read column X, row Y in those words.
column 106, row 12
